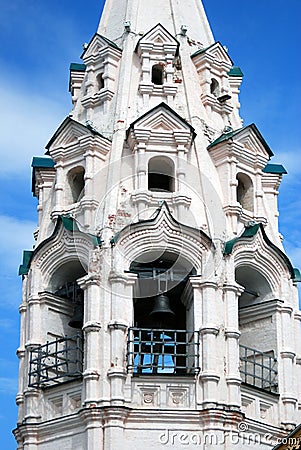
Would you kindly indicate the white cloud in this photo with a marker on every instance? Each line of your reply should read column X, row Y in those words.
column 27, row 123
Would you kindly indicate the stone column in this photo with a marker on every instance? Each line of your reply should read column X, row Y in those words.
column 233, row 379
column 59, row 191
column 114, row 428
column 91, row 328
column 286, row 363
column 93, row 418
column 35, row 320
column 30, row 436
column 21, row 353
column 205, row 320
column 297, row 318
column 121, row 319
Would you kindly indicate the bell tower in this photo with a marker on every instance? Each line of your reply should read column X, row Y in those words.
column 158, row 307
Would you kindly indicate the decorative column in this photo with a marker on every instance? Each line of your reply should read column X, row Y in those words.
column 92, row 327
column 121, row 319
column 287, row 354
column 113, row 428
column 21, row 352
column 93, row 418
column 233, row 379
column 205, row 320
column 259, row 208
column 297, row 318
column 30, row 438
column 59, row 191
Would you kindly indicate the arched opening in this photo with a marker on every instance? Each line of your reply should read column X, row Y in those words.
column 214, row 87
column 76, row 180
column 162, row 339
column 258, row 339
column 157, row 74
column 60, row 359
column 100, row 81
column 161, row 174
column 245, row 191
column 64, row 284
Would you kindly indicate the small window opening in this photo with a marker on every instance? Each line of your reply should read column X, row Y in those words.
column 161, row 174
column 100, row 81
column 76, row 178
column 214, row 88
column 244, row 191
column 157, row 74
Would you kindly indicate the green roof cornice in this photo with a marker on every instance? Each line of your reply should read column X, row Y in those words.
column 108, row 41
column 233, row 133
column 274, row 168
column 70, row 225
column 297, row 275
column 42, row 162
column 204, row 50
column 224, row 137
column 77, row 67
column 235, row 71
column 250, row 232
column 24, row 267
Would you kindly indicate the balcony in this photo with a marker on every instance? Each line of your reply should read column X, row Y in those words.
column 56, row 362
column 162, row 352
column 258, row 369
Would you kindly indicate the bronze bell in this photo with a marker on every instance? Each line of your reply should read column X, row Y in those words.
column 77, row 319
column 161, row 308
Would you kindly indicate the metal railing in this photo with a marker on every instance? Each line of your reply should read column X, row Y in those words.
column 258, row 369
column 162, row 351
column 55, row 362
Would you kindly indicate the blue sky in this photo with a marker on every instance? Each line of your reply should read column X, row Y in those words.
column 40, row 39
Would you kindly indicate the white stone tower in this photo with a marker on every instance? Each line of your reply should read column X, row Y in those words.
column 159, row 309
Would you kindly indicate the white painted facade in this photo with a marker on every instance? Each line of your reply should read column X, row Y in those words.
column 154, row 172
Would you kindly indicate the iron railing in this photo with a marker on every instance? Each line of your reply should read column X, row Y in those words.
column 56, row 362
column 162, row 351
column 258, row 369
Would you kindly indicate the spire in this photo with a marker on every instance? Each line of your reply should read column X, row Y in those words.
column 142, row 14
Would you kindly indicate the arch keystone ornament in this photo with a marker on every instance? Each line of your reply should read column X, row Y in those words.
column 158, row 295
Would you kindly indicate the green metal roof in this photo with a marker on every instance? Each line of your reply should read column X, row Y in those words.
column 203, row 50
column 297, row 275
column 108, row 41
column 274, row 168
column 69, row 224
column 42, row 162
column 111, row 43
column 24, row 267
column 235, row 71
column 226, row 136
column 78, row 67
column 250, row 232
